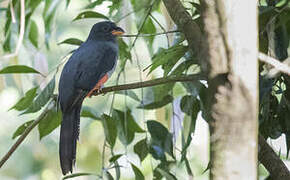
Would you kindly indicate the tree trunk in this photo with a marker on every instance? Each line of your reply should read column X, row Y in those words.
column 231, row 30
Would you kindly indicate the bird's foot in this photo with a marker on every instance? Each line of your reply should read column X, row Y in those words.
column 98, row 87
column 93, row 91
column 100, row 90
column 96, row 90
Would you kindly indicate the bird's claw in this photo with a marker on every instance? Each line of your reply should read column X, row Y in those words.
column 96, row 90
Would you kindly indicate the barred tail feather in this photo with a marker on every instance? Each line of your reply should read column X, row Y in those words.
column 69, row 134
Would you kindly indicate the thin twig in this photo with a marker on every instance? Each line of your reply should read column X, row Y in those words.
column 25, row 133
column 21, row 32
column 128, row 14
column 12, row 12
column 103, row 157
column 154, row 82
column 284, row 68
column 142, row 25
column 160, row 25
column 149, row 35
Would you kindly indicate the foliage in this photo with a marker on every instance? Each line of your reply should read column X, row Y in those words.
column 155, row 139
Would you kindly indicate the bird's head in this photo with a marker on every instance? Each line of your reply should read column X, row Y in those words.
column 105, row 30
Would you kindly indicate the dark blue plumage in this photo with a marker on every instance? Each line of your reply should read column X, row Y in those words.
column 93, row 60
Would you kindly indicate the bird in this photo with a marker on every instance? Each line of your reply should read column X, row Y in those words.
column 86, row 71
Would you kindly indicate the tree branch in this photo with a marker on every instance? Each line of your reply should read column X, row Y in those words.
column 25, row 133
column 281, row 67
column 271, row 161
column 190, row 29
column 158, row 81
column 194, row 35
column 154, row 82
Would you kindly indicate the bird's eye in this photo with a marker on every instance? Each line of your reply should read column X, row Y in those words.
column 105, row 28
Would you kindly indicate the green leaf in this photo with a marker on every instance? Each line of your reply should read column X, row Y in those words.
column 182, row 67
column 166, row 174
column 193, row 88
column 160, row 136
column 196, row 5
column 50, row 8
column 7, row 26
column 67, row 3
column 168, row 57
column 77, row 175
column 161, row 91
column 6, row 44
column 115, row 158
column 287, row 143
column 108, row 175
column 188, row 168
column 116, row 5
column 42, row 98
column 90, row 14
column 149, row 28
column 110, row 129
column 137, row 172
column 72, row 41
column 158, row 104
column 141, row 149
column 127, row 127
column 190, row 105
column 33, row 4
column 51, row 121
column 129, row 93
column 204, row 104
column 124, row 53
column 157, row 93
column 157, row 152
column 27, row 20
column 25, row 101
column 33, row 33
column 165, row 166
column 207, row 167
column 17, row 69
column 94, row 4
column 167, row 67
column 88, row 112
column 19, row 131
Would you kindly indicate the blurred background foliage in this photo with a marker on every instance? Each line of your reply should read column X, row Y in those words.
column 149, row 132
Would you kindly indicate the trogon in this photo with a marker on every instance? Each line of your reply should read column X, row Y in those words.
column 86, row 71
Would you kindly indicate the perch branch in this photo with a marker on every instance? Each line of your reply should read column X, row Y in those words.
column 158, row 81
column 155, row 82
column 25, row 133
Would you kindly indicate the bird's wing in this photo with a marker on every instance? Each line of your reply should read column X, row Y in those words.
column 91, row 70
column 84, row 69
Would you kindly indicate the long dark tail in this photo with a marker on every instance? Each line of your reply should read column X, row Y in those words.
column 69, row 133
